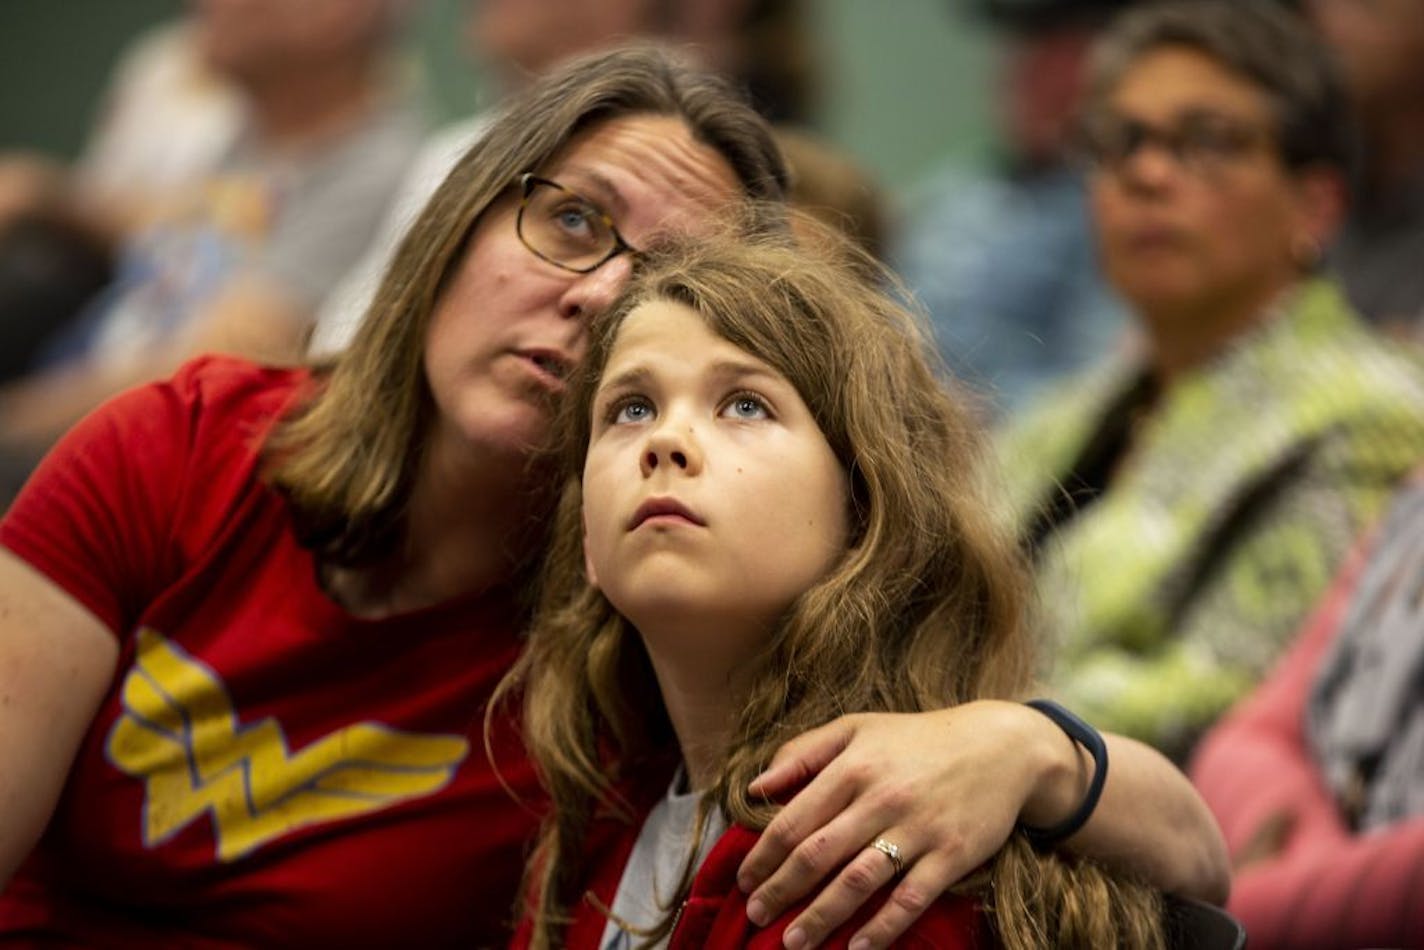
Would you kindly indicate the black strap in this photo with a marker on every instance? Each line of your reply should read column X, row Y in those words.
column 1089, row 738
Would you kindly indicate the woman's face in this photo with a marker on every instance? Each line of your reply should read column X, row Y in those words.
column 1209, row 220
column 711, row 497
column 510, row 326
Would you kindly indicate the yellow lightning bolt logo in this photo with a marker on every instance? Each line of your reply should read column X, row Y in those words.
column 179, row 733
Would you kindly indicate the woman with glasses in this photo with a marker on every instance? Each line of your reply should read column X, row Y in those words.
column 1189, row 500
column 250, row 617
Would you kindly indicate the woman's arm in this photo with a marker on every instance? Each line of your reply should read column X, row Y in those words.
column 1361, row 891
column 56, row 662
column 1254, row 768
column 948, row 788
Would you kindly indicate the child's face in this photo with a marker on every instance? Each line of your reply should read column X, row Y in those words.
column 709, row 491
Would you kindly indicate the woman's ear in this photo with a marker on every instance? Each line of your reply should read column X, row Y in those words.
column 1321, row 196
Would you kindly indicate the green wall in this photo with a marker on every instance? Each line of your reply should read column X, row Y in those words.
column 906, row 85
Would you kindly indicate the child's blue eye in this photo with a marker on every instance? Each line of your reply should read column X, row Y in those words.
column 747, row 406
column 630, row 410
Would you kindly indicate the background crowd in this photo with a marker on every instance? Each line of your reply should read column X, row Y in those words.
column 1185, row 286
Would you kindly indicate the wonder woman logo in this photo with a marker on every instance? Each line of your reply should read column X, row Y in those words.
column 178, row 732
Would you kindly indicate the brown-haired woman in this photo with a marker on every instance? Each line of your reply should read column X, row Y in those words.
column 250, row 618
column 781, row 517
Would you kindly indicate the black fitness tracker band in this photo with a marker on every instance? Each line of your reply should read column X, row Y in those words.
column 1089, row 738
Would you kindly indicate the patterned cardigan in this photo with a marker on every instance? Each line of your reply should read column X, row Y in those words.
column 1172, row 592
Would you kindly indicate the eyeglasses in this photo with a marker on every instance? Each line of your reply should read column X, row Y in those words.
column 1204, row 143
column 565, row 228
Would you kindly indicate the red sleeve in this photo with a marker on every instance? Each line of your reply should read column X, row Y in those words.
column 1367, row 892
column 102, row 515
column 1255, row 765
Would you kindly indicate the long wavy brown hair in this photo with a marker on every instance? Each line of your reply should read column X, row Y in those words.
column 927, row 607
column 347, row 459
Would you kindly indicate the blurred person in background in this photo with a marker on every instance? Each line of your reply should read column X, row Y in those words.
column 1004, row 260
column 1317, row 778
column 832, row 187
column 1379, row 252
column 763, row 45
column 166, row 120
column 1188, row 502
column 236, row 256
column 168, row 117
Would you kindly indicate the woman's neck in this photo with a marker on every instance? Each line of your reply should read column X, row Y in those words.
column 472, row 521
column 1181, row 339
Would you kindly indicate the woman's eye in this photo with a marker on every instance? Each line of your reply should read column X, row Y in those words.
column 571, row 218
column 747, row 406
column 631, row 410
column 575, row 220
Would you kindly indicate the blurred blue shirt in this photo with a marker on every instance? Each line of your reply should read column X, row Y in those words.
column 1007, row 268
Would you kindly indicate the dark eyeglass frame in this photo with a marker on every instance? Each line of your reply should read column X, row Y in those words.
column 1236, row 139
column 527, row 183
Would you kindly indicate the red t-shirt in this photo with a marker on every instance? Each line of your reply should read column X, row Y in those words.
column 265, row 769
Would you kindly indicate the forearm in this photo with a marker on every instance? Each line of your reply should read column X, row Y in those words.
column 1359, row 893
column 249, row 318
column 1150, row 822
column 36, row 411
column 56, row 661
column 948, row 786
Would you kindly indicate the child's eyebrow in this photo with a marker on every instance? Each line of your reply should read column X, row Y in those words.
column 722, row 370
column 739, row 369
column 637, row 376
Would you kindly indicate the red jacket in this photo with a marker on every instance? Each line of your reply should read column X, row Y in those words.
column 715, row 914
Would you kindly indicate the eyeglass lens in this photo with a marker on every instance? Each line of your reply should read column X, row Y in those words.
column 1200, row 141
column 564, row 228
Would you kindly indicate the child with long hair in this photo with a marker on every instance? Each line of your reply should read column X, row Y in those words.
column 776, row 513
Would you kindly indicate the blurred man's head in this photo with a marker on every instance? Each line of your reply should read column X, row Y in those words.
column 1046, row 50
column 262, row 43
column 1379, row 45
column 763, row 45
column 525, row 38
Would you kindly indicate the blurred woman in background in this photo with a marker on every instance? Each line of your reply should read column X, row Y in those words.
column 1187, row 503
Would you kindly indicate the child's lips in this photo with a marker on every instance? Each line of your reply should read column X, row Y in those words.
column 669, row 509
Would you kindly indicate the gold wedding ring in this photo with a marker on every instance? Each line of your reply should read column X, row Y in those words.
column 891, row 851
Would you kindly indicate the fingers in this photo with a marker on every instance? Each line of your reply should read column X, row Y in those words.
column 867, row 872
column 922, row 885
column 805, row 842
column 802, row 757
column 948, row 810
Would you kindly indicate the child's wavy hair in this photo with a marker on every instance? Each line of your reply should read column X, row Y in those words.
column 925, row 609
